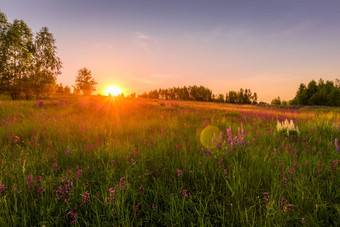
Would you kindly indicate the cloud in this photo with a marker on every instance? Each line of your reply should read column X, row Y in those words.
column 144, row 41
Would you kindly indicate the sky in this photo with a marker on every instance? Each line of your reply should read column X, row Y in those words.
column 267, row 46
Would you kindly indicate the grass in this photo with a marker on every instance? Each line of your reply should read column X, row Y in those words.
column 97, row 161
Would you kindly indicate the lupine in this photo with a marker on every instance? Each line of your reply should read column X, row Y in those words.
column 337, row 145
column 287, row 127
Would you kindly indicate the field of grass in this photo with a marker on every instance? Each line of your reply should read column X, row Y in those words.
column 104, row 162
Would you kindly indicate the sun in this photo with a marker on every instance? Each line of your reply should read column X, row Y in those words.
column 113, row 91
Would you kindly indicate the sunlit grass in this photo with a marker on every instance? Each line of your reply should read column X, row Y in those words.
column 140, row 162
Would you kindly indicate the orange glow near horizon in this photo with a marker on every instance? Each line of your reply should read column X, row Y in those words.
column 113, row 90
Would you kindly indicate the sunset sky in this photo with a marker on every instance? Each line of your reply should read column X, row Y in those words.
column 268, row 46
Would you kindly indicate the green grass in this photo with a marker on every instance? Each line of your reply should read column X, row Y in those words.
column 141, row 162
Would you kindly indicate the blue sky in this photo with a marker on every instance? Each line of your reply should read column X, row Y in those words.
column 267, row 46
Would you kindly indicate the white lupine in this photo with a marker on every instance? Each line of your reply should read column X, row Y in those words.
column 287, row 126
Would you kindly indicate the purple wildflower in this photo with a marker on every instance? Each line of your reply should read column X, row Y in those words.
column 179, row 172
column 185, row 193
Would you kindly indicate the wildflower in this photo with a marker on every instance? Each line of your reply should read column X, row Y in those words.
column 179, row 172
column 291, row 170
column 275, row 153
column 2, row 189
column 185, row 193
column 55, row 166
column 68, row 152
column 121, row 184
column 304, row 222
column 337, row 145
column 141, row 188
column 285, row 206
column 39, row 102
column 137, row 208
column 284, row 183
column 154, row 207
column 287, row 127
column 335, row 163
column 72, row 214
column 86, row 197
column 112, row 195
column 225, row 173
column 64, row 191
column 14, row 187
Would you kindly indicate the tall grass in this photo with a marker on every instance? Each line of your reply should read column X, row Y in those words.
column 99, row 161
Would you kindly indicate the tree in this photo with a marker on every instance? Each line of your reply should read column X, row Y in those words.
column 46, row 65
column 276, row 101
column 220, row 98
column 16, row 52
column 76, row 91
column 232, row 97
column 28, row 65
column 321, row 93
column 67, row 90
column 85, row 82
column 254, row 98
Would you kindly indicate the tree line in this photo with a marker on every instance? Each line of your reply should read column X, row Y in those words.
column 201, row 93
column 326, row 93
column 322, row 93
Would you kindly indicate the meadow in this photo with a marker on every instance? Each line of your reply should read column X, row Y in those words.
column 128, row 162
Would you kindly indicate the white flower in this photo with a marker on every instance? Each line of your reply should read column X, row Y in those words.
column 287, row 127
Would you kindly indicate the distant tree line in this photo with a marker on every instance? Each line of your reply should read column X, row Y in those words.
column 201, row 93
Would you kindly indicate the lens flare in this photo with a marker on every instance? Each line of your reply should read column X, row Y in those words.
column 209, row 134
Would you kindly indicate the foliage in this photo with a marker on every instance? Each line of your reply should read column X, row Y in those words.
column 241, row 97
column 200, row 93
column 276, row 101
column 321, row 93
column 61, row 90
column 28, row 64
column 85, row 83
